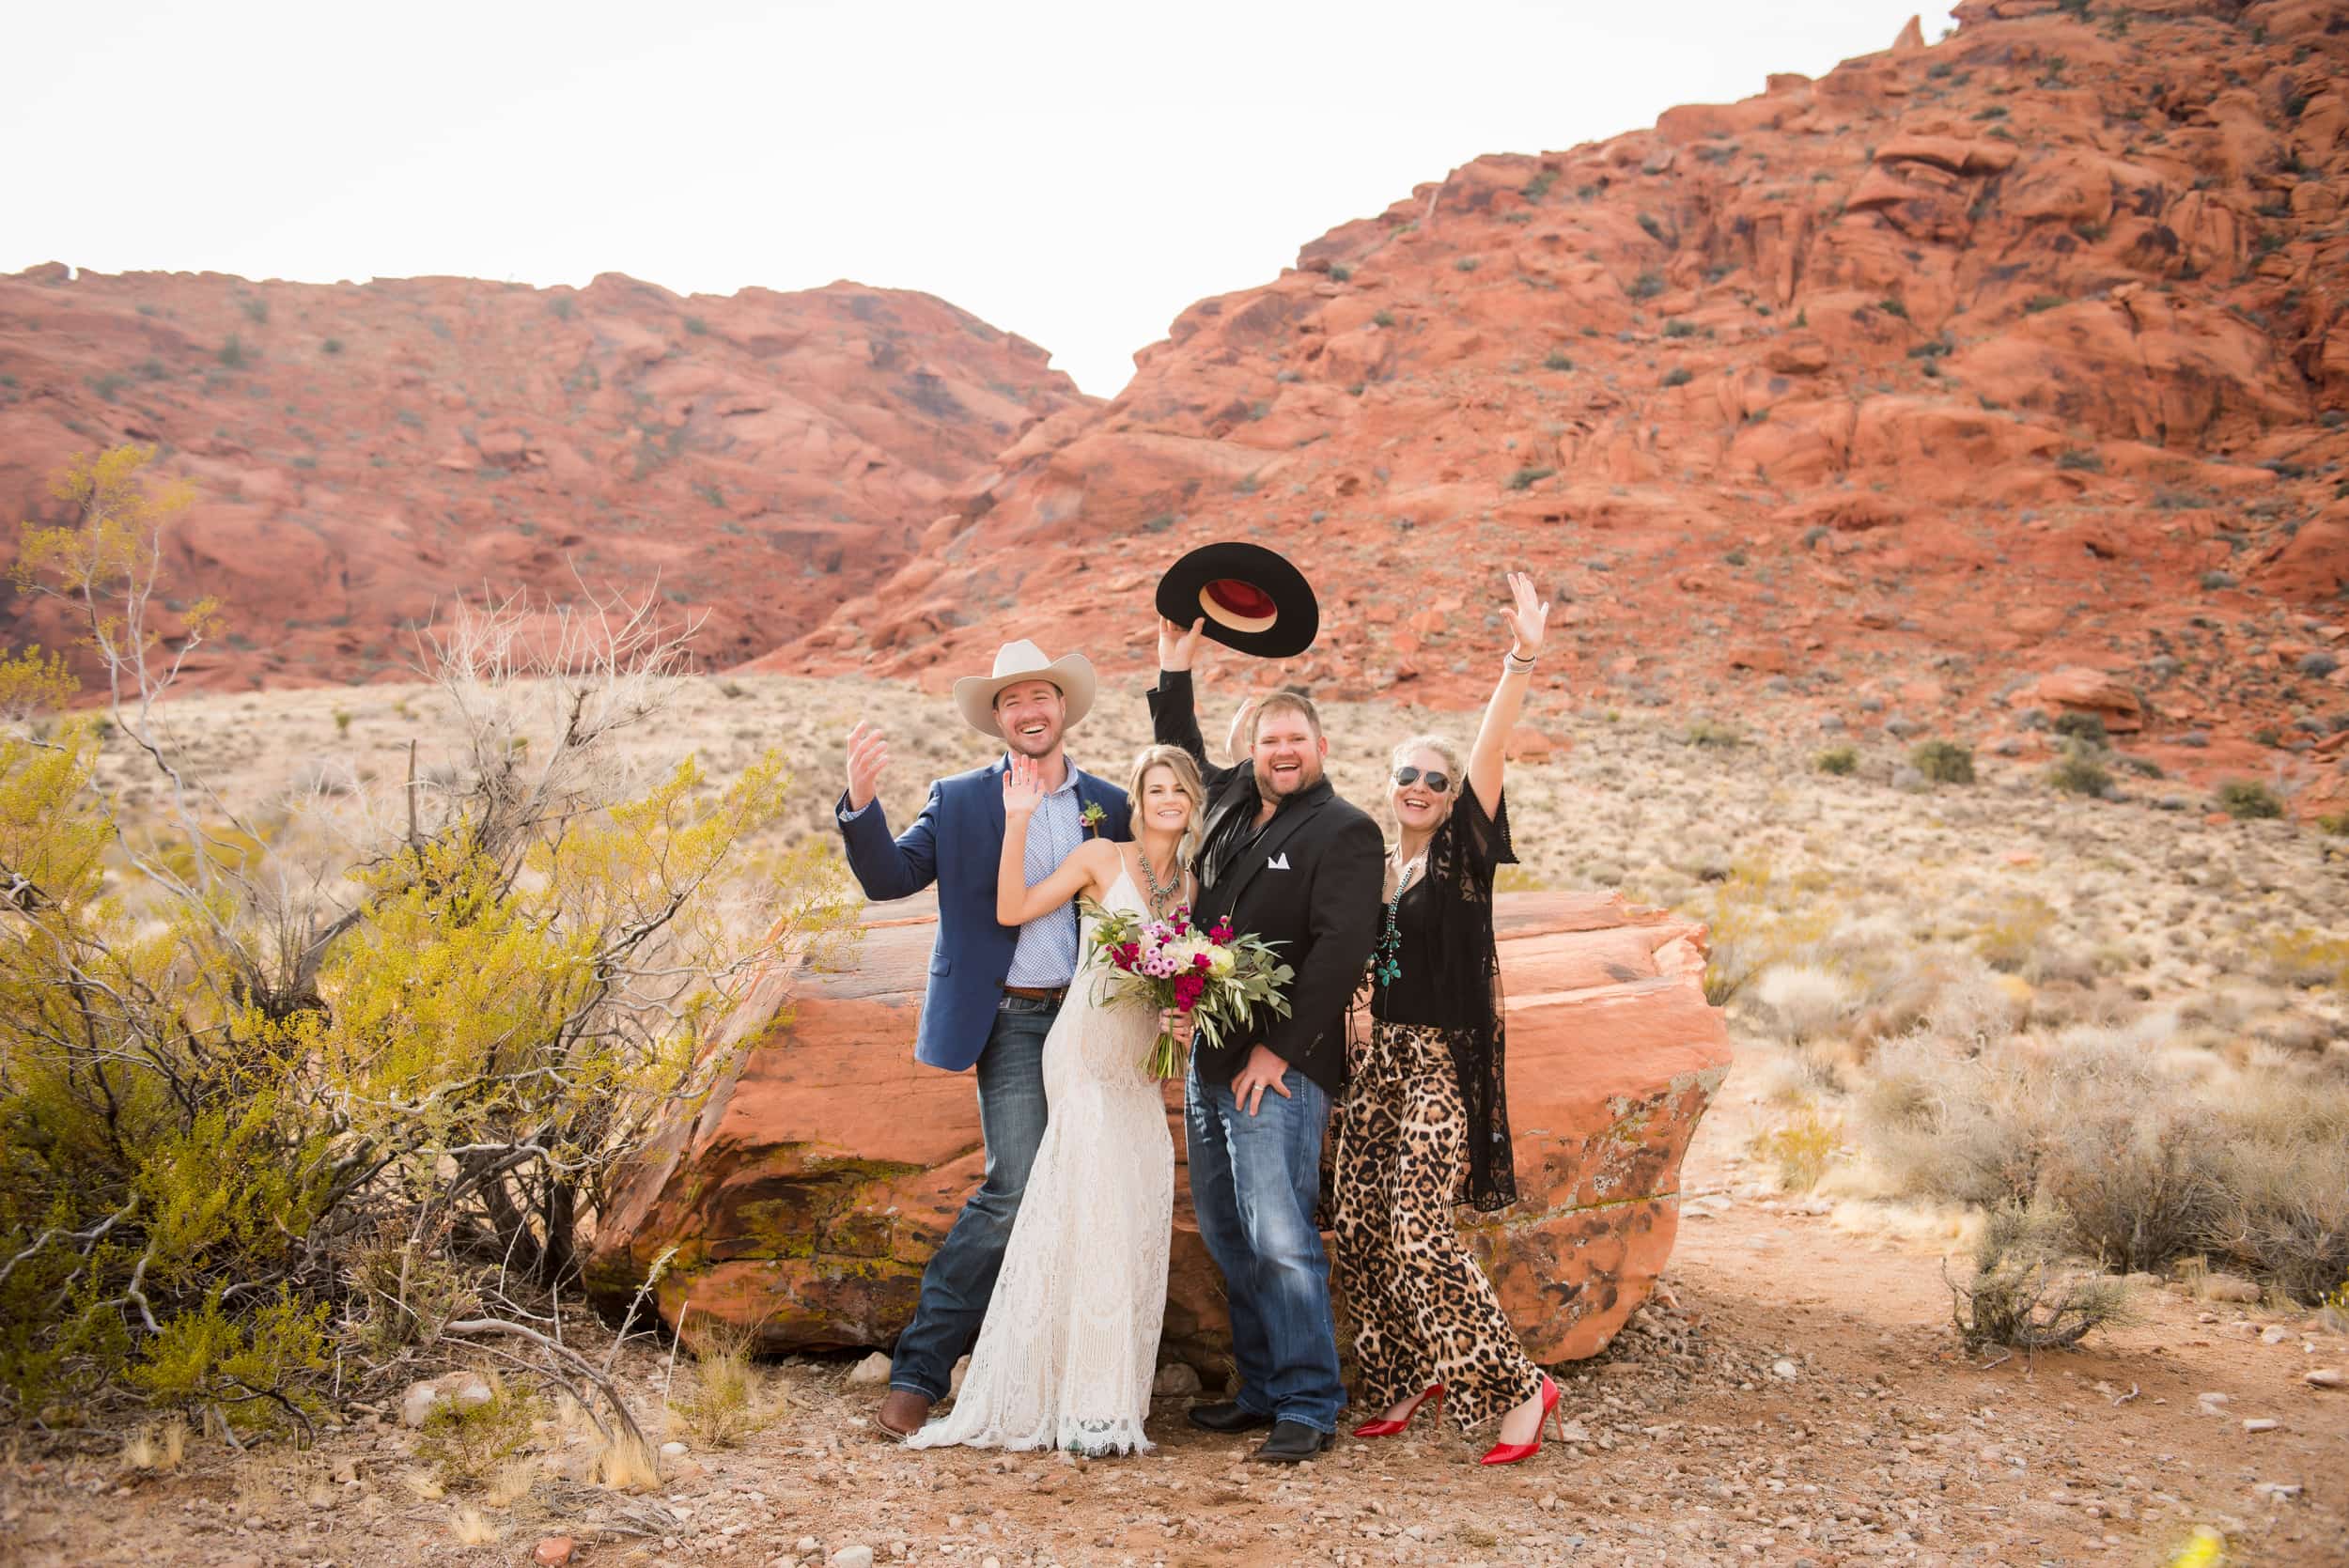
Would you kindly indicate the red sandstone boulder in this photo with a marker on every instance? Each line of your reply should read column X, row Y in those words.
column 2081, row 689
column 823, row 1171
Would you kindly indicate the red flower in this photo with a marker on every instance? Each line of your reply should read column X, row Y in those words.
column 1221, row 934
column 1201, row 961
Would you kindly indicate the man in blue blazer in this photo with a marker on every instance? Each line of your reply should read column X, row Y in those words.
column 993, row 990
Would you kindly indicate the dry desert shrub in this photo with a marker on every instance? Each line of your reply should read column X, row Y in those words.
column 2284, row 1216
column 2023, row 1294
column 2146, row 1163
column 1805, row 1002
column 1974, row 1002
column 1946, row 1121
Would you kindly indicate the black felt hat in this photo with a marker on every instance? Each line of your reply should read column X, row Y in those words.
column 1254, row 600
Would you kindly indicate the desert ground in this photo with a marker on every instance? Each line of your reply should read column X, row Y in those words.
column 1797, row 1394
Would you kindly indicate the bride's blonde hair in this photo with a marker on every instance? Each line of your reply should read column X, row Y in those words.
column 1178, row 762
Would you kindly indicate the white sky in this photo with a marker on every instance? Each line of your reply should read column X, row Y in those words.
column 1074, row 173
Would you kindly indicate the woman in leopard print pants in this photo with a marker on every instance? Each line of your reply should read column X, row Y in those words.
column 1424, row 1124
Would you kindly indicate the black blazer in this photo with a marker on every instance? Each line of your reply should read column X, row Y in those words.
column 1310, row 883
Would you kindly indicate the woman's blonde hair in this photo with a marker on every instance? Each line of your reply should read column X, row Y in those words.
column 1438, row 745
column 1187, row 779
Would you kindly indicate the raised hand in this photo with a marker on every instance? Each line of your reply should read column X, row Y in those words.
column 1237, row 744
column 1528, row 615
column 1023, row 787
column 1178, row 647
column 868, row 754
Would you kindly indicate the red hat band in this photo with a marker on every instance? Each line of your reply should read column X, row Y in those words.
column 1238, row 604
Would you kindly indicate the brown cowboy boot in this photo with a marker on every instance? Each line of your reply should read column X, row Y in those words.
column 902, row 1413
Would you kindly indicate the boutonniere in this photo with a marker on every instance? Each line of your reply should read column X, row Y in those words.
column 1091, row 817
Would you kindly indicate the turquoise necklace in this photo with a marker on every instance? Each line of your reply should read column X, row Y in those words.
column 1387, row 962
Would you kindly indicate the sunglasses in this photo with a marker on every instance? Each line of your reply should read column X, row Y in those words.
column 1439, row 782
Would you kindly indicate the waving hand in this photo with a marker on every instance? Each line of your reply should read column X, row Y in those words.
column 1023, row 787
column 1528, row 615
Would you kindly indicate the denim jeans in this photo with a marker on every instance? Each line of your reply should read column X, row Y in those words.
column 960, row 1278
column 1254, row 1180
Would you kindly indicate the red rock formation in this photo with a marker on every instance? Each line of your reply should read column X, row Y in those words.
column 363, row 453
column 1881, row 394
column 819, row 1176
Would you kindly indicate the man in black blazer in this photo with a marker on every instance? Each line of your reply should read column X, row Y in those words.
column 1287, row 859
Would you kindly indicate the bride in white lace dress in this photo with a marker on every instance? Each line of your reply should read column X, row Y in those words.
column 1070, row 1344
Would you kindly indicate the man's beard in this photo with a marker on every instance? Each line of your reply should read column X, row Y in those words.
column 1308, row 774
column 1039, row 746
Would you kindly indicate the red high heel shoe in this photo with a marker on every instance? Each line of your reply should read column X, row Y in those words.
column 1509, row 1453
column 1384, row 1428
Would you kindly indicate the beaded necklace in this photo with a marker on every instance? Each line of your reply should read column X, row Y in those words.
column 1387, row 962
column 1159, row 896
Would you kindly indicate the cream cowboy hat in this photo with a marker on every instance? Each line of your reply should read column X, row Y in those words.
column 1023, row 660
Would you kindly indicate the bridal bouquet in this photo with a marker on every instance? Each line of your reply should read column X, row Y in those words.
column 1215, row 976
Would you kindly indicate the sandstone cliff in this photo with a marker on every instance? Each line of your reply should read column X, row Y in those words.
column 363, row 452
column 1963, row 380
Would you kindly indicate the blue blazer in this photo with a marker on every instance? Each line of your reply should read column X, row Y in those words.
column 957, row 841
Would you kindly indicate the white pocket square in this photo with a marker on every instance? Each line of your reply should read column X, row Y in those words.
column 1278, row 863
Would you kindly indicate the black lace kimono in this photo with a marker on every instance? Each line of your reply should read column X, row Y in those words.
column 1451, row 977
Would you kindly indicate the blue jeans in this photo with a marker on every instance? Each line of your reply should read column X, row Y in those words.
column 960, row 1278
column 1254, row 1180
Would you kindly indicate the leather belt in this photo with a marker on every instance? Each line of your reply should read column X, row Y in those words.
column 1038, row 993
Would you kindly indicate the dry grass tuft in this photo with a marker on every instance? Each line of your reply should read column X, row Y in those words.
column 512, row 1482
column 627, row 1463
column 472, row 1529
column 423, row 1486
column 728, row 1399
column 157, row 1449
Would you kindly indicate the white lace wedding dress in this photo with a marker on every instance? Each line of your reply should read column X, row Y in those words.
column 1070, row 1343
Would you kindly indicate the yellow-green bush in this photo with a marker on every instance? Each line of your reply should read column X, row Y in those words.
column 2012, row 937
column 1801, row 1148
column 224, row 1111
column 466, row 1444
column 2247, row 800
column 1943, row 761
column 1756, row 918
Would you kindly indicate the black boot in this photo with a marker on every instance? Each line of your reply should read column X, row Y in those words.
column 1290, row 1442
column 1225, row 1417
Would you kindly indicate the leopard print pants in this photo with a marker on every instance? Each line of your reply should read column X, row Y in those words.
column 1427, row 1312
